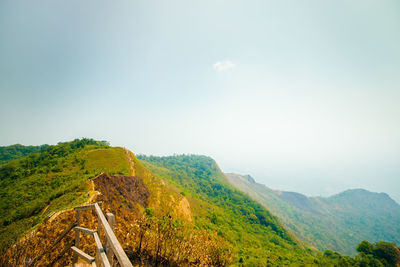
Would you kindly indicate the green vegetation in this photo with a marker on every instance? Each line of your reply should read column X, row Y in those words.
column 257, row 237
column 379, row 254
column 337, row 223
column 9, row 153
column 56, row 178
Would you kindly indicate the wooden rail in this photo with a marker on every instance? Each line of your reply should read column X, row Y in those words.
column 101, row 254
column 104, row 256
column 83, row 255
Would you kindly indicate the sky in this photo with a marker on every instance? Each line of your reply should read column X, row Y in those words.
column 302, row 95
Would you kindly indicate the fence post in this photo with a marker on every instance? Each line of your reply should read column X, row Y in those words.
column 98, row 258
column 78, row 222
column 109, row 252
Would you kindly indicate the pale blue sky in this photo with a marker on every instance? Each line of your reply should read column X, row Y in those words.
column 302, row 95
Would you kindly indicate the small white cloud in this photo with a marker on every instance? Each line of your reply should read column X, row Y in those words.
column 223, row 65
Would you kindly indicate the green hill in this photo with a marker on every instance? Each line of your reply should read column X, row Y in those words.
column 258, row 237
column 337, row 223
column 33, row 186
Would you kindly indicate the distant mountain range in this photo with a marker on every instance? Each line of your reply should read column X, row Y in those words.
column 338, row 222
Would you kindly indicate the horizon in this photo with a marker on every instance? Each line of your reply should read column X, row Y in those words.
column 225, row 172
column 302, row 97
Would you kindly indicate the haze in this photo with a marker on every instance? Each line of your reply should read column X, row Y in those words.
column 302, row 95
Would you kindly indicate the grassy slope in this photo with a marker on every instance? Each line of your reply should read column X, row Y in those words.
column 161, row 195
column 338, row 223
column 257, row 236
column 63, row 180
column 34, row 186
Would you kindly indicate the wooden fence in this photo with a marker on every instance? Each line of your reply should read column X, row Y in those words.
column 104, row 255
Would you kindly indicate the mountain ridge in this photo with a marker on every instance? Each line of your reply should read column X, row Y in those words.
column 352, row 215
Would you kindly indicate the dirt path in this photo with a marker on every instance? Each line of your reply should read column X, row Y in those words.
column 92, row 197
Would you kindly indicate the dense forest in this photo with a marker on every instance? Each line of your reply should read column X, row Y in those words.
column 9, row 153
column 379, row 254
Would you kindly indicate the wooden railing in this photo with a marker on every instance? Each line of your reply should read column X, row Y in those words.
column 104, row 256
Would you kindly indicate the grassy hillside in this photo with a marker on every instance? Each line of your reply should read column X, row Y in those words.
column 57, row 178
column 337, row 223
column 154, row 224
column 257, row 237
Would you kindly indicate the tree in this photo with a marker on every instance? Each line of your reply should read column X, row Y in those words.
column 365, row 247
column 387, row 251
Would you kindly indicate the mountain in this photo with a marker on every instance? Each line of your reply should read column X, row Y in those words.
column 337, row 223
column 259, row 237
column 171, row 211
column 154, row 222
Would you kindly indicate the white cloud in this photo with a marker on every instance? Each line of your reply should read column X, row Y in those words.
column 223, row 65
